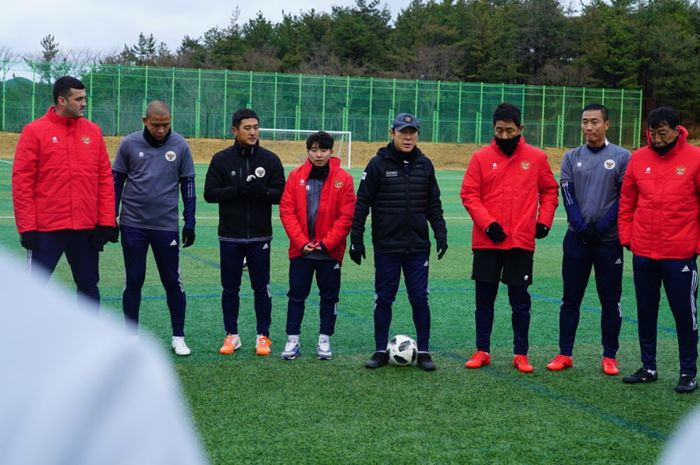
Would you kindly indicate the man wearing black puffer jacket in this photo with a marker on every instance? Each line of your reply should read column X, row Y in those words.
column 400, row 188
column 245, row 180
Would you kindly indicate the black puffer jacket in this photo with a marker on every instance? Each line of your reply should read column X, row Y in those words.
column 244, row 215
column 404, row 196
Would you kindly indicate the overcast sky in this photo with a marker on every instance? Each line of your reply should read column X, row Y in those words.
column 105, row 26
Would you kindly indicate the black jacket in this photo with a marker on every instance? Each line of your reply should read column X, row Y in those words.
column 404, row 197
column 244, row 212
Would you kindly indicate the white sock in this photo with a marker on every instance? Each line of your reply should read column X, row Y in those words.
column 323, row 338
column 293, row 338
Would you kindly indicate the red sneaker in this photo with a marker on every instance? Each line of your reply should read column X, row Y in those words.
column 560, row 362
column 522, row 364
column 478, row 360
column 610, row 366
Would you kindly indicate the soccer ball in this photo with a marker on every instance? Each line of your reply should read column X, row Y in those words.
column 402, row 350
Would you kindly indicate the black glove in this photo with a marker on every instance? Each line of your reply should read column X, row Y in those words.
column 29, row 239
column 357, row 253
column 103, row 234
column 541, row 231
column 441, row 248
column 188, row 236
column 496, row 233
column 590, row 236
column 257, row 188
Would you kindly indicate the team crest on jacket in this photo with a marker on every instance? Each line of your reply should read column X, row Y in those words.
column 302, row 182
column 609, row 164
column 86, row 140
column 680, row 170
column 494, row 166
column 525, row 165
column 338, row 184
column 260, row 171
column 170, row 155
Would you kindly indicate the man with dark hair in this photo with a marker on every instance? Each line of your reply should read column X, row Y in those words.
column 155, row 163
column 245, row 180
column 659, row 221
column 591, row 178
column 511, row 194
column 62, row 189
column 400, row 188
column 316, row 211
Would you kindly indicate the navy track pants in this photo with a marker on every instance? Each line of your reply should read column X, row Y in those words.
column 301, row 273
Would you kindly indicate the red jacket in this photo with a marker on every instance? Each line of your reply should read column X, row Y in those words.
column 335, row 212
column 516, row 191
column 660, row 201
column 61, row 176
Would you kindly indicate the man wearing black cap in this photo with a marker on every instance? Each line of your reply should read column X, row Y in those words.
column 245, row 180
column 399, row 186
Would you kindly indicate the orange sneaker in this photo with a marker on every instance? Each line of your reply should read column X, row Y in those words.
column 478, row 360
column 263, row 345
column 231, row 343
column 610, row 366
column 560, row 362
column 522, row 364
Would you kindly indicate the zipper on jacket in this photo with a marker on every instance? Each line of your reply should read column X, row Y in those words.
column 247, row 199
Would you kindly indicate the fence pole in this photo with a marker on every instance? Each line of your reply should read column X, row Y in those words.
column 119, row 99
column 33, row 94
column 198, row 105
column 622, row 113
column 225, row 110
column 563, row 116
column 544, row 91
column 477, row 135
column 371, row 99
column 145, row 92
column 250, row 90
column 436, row 115
column 89, row 92
column 638, row 132
column 172, row 96
column 415, row 101
column 346, row 122
column 274, row 103
column 323, row 105
column 459, row 113
column 393, row 97
column 4, row 97
column 297, row 121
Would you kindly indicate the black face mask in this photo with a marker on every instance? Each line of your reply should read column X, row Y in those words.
column 508, row 146
column 666, row 148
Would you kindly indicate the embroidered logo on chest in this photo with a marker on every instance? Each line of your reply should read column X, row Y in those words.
column 260, row 171
column 525, row 165
column 170, row 156
column 609, row 164
column 338, row 184
column 86, row 140
column 680, row 170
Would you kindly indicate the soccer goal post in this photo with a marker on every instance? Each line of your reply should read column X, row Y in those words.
column 290, row 144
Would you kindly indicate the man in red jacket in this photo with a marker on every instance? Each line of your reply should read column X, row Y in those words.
column 511, row 194
column 316, row 209
column 659, row 221
column 62, row 189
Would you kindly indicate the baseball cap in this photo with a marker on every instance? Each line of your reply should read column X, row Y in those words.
column 405, row 120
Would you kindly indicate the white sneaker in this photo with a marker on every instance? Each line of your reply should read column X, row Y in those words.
column 179, row 346
column 291, row 349
column 323, row 348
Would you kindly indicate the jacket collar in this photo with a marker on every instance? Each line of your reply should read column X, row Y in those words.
column 58, row 119
column 333, row 165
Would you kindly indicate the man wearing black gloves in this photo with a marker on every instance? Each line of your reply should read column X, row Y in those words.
column 511, row 194
column 62, row 189
column 400, row 188
column 591, row 179
column 245, row 180
column 155, row 164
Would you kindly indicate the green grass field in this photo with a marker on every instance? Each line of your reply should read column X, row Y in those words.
column 250, row 409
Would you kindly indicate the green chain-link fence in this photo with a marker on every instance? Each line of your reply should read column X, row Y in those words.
column 202, row 102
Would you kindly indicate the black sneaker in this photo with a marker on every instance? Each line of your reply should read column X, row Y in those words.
column 379, row 359
column 686, row 384
column 640, row 376
column 425, row 362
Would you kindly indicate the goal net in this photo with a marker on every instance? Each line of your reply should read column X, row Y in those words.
column 290, row 144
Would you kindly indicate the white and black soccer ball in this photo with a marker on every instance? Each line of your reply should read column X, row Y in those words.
column 402, row 350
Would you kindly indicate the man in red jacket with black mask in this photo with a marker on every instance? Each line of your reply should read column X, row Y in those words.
column 659, row 221
column 511, row 194
column 316, row 209
column 62, row 189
